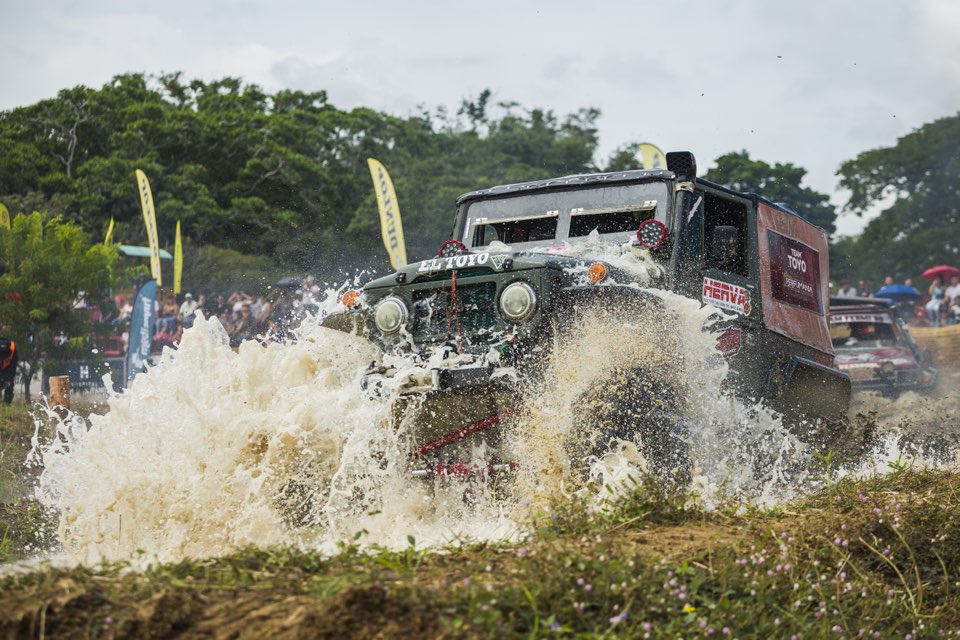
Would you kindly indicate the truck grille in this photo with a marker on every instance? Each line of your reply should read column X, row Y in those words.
column 476, row 304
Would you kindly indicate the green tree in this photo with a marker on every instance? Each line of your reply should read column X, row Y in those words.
column 780, row 182
column 282, row 176
column 921, row 227
column 45, row 264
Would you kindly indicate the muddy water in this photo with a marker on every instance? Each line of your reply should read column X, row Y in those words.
column 215, row 449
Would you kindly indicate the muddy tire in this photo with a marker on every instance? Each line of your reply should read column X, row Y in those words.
column 633, row 405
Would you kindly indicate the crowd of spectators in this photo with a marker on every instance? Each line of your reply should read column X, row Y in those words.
column 243, row 315
column 939, row 306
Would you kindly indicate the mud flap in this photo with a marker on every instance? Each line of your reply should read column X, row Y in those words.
column 804, row 387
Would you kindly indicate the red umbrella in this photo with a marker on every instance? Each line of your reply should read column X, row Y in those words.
column 944, row 272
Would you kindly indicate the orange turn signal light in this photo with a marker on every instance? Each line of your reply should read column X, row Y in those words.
column 596, row 272
column 350, row 298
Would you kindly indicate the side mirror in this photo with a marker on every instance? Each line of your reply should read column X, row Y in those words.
column 723, row 246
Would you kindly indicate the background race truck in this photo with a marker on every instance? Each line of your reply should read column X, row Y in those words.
column 875, row 349
column 465, row 334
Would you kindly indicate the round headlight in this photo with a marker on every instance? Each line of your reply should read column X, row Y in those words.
column 517, row 301
column 390, row 315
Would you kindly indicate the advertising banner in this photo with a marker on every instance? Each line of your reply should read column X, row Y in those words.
column 795, row 272
column 391, row 227
column 141, row 328
column 177, row 261
column 4, row 216
column 793, row 276
column 652, row 157
column 150, row 221
column 108, row 237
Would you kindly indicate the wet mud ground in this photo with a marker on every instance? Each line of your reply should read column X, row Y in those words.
column 377, row 593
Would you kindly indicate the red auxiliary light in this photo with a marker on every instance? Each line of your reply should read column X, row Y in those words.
column 651, row 234
column 452, row 248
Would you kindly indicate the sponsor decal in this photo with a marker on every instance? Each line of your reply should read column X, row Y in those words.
column 459, row 262
column 728, row 344
column 498, row 260
column 862, row 317
column 724, row 295
column 794, row 272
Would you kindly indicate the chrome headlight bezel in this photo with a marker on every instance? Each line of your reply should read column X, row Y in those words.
column 530, row 304
column 383, row 307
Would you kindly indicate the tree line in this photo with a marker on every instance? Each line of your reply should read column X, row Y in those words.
column 282, row 179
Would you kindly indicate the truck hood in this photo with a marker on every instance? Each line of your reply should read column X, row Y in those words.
column 480, row 262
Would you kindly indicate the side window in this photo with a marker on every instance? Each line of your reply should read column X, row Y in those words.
column 725, row 234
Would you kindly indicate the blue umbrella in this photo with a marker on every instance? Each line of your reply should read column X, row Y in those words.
column 897, row 292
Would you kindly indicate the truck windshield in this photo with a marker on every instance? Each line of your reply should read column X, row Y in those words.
column 554, row 216
column 862, row 334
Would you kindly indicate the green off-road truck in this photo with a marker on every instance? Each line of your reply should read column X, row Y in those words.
column 466, row 335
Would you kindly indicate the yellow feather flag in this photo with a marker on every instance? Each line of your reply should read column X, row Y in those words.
column 652, row 157
column 107, row 239
column 177, row 261
column 150, row 221
column 391, row 227
column 4, row 216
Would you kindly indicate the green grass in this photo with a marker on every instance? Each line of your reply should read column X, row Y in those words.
column 25, row 529
column 16, row 428
column 870, row 558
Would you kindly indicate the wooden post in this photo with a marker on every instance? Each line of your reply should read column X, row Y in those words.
column 60, row 391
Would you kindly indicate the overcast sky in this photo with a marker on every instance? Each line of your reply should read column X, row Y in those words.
column 813, row 82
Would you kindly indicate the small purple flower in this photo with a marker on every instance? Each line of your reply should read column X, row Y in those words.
column 725, row 631
column 108, row 620
column 886, row 552
column 580, row 582
column 588, row 587
column 837, row 629
column 466, row 582
column 617, row 619
column 647, row 626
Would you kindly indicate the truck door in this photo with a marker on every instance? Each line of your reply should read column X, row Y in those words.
column 729, row 273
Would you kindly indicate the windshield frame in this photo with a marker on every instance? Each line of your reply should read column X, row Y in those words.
column 659, row 201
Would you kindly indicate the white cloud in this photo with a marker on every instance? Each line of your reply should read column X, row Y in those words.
column 813, row 83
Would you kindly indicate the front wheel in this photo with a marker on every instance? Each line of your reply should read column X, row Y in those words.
column 637, row 406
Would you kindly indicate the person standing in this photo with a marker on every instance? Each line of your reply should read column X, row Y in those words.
column 8, row 367
column 846, row 290
column 864, row 289
column 187, row 309
column 937, row 296
column 953, row 291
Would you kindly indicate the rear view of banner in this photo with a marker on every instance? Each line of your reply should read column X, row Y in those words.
column 108, row 238
column 4, row 216
column 150, row 221
column 177, row 261
column 141, row 329
column 652, row 157
column 391, row 227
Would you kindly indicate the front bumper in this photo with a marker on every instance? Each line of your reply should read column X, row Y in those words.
column 414, row 379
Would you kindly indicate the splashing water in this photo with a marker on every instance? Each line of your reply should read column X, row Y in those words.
column 215, row 449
